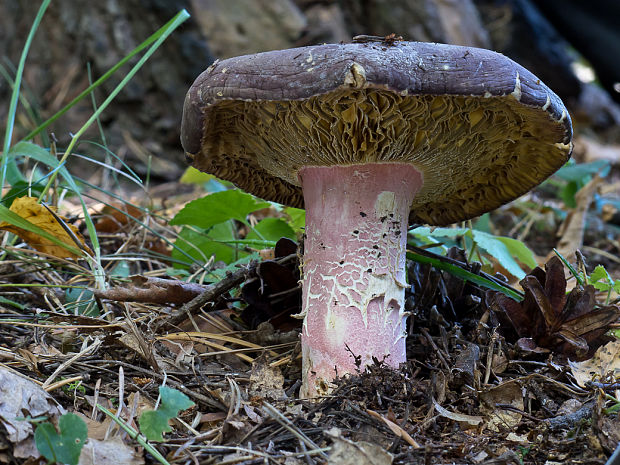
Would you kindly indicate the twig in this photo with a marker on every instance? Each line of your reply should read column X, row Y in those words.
column 290, row 426
column 64, row 365
column 213, row 291
column 437, row 349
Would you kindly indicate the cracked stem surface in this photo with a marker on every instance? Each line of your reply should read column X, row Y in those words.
column 354, row 268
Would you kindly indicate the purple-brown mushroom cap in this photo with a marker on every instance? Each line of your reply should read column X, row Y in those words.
column 482, row 129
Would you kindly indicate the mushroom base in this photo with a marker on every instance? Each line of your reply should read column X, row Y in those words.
column 354, row 268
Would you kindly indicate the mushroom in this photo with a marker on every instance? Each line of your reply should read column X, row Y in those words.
column 369, row 138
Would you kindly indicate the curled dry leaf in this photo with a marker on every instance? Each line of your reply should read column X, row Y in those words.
column 152, row 290
column 605, row 365
column 117, row 216
column 573, row 325
column 46, row 219
column 274, row 294
column 346, row 452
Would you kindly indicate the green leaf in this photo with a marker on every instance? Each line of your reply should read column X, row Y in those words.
column 297, row 219
column 121, row 270
column 252, row 243
column 201, row 245
column 20, row 189
column 599, row 273
column 217, row 208
column 193, row 176
column 581, row 172
column 81, row 301
column 154, row 423
column 498, row 249
column 220, row 273
column 503, row 249
column 63, row 447
column 271, row 229
column 518, row 250
column 440, row 232
column 567, row 194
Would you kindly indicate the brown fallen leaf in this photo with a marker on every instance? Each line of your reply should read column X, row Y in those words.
column 573, row 325
column 495, row 399
column 110, row 452
column 266, row 381
column 347, row 452
column 116, row 216
column 572, row 229
column 152, row 290
column 606, row 362
column 46, row 219
column 396, row 429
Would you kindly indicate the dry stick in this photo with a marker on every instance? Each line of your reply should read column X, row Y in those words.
column 64, row 365
column 490, row 350
column 170, row 382
column 291, row 427
column 437, row 349
column 210, row 293
column 215, row 290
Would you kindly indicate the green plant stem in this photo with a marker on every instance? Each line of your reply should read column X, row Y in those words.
column 174, row 23
column 134, row 435
column 440, row 263
column 109, row 73
column 10, row 120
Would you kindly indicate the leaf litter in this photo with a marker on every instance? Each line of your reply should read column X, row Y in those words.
column 488, row 379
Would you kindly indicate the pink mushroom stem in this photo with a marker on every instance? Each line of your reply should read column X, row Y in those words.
column 354, row 268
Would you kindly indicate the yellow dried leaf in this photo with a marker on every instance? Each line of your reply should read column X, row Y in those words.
column 29, row 209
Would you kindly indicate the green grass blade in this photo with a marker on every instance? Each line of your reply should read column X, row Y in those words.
column 175, row 22
column 110, row 72
column 465, row 275
column 570, row 267
column 10, row 120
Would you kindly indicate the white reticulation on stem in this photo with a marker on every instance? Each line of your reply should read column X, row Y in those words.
column 354, row 268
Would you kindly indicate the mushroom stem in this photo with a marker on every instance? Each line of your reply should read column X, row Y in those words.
column 354, row 268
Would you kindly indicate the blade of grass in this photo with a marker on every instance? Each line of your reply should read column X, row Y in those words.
column 465, row 275
column 25, row 98
column 570, row 267
column 10, row 120
column 110, row 72
column 179, row 18
column 134, row 434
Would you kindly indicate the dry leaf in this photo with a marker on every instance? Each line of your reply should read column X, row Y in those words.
column 572, row 228
column 590, row 150
column 472, row 420
column 266, row 381
column 22, row 397
column 152, row 290
column 606, row 360
column 116, row 216
column 508, row 393
column 110, row 452
column 345, row 452
column 572, row 324
column 396, row 429
column 29, row 209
